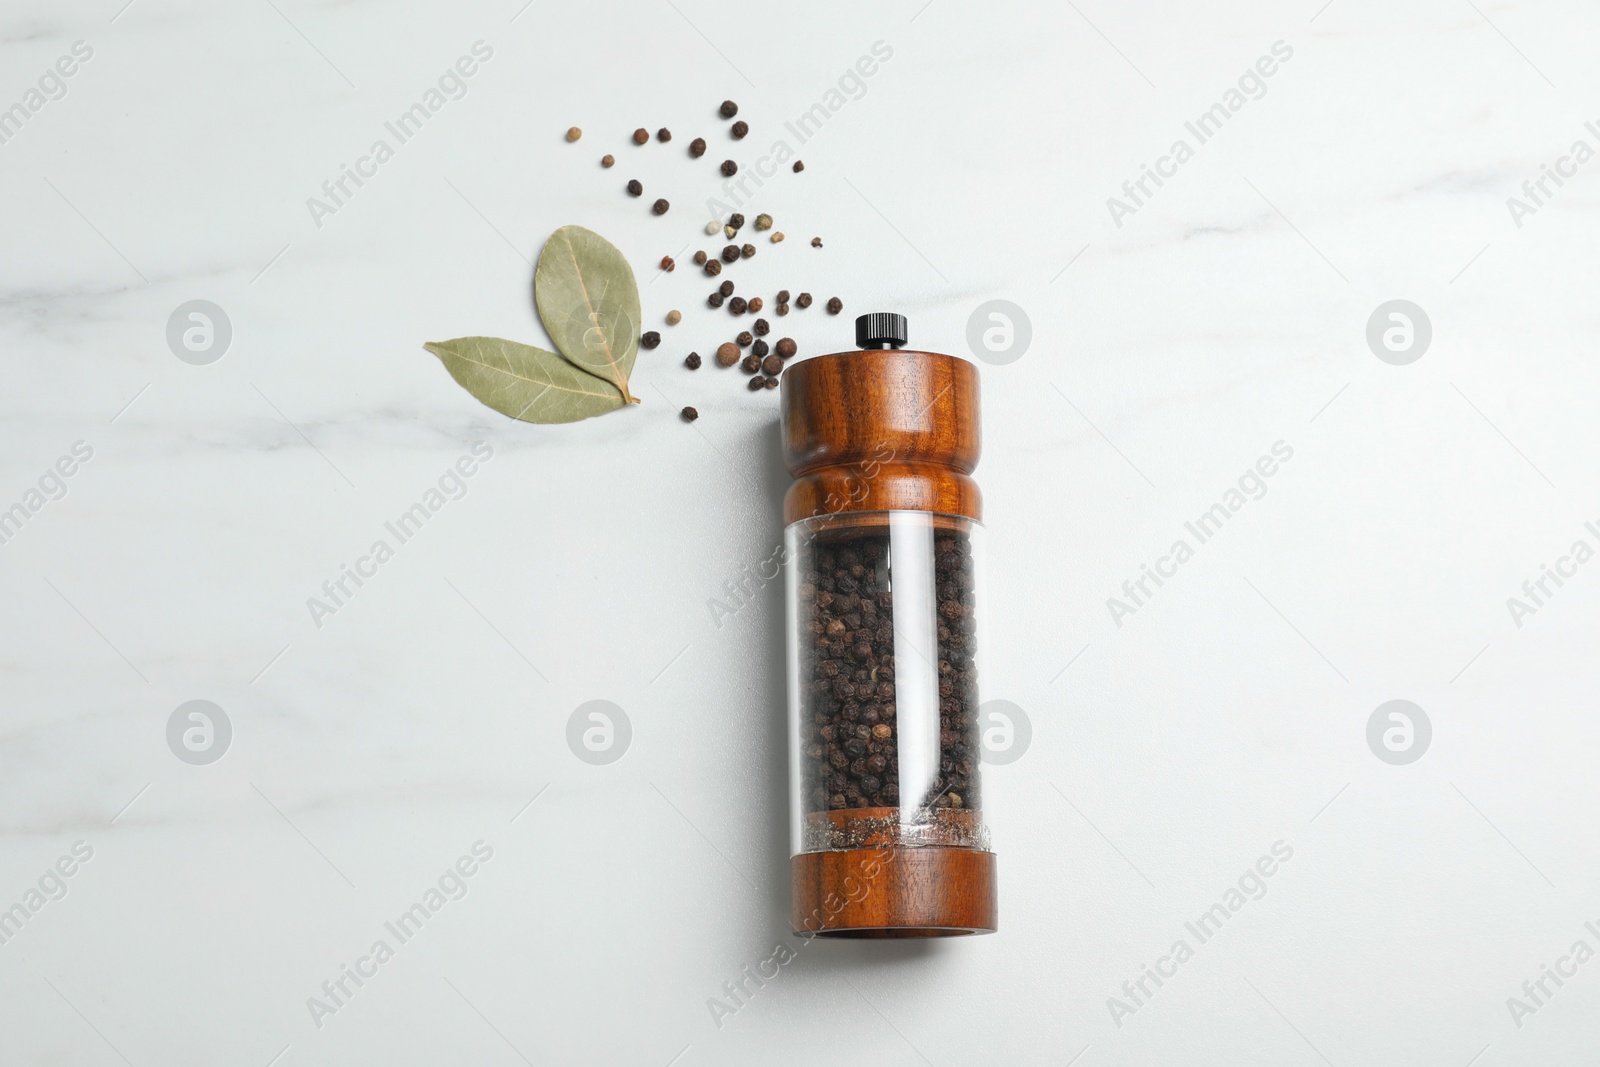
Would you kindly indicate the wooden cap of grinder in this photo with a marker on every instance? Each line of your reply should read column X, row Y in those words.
column 881, row 429
column 875, row 430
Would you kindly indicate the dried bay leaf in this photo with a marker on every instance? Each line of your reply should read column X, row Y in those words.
column 589, row 303
column 524, row 382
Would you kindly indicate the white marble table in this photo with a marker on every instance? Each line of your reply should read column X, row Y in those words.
column 166, row 521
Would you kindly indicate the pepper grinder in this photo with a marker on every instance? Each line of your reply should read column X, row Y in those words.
column 882, row 538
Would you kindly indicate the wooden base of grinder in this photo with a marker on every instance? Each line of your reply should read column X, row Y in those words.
column 894, row 892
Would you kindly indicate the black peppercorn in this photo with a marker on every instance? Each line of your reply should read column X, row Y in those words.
column 762, row 326
column 740, row 128
column 608, row 160
column 700, row 258
column 750, row 365
column 726, row 288
column 663, row 135
column 650, row 339
column 835, row 305
column 715, row 299
column 772, row 364
column 772, row 383
column 757, row 383
column 816, row 242
column 697, row 147
column 729, row 168
column 729, row 109
column 756, row 304
column 641, row 135
column 744, row 339
column 713, row 267
column 737, row 305
column 804, row 300
column 783, row 309
column 748, row 250
column 634, row 188
column 730, row 253
column 689, row 414
column 799, row 165
column 848, row 678
column 660, row 207
column 783, row 296
column 692, row 361
column 736, row 220
column 759, row 348
column 786, row 347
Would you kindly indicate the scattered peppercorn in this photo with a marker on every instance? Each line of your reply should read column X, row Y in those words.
column 748, row 250
column 668, row 264
column 783, row 309
column 663, row 135
column 634, row 188
column 713, row 226
column 763, row 327
column 713, row 267
column 740, row 128
column 608, row 160
column 772, row 364
column 715, row 299
column 729, row 230
column 816, row 242
column 689, row 414
column 727, row 354
column 757, row 383
column 804, row 300
column 726, row 287
column 641, row 135
column 763, row 222
column 799, row 165
column 730, row 253
column 759, row 348
column 729, row 109
column 772, row 383
column 692, row 361
column 729, row 168
column 650, row 339
column 777, row 236
column 755, row 305
column 660, row 207
column 697, row 147
column 700, row 258
column 750, row 365
column 787, row 347
column 674, row 317
column 835, row 305
column 736, row 220
column 783, row 296
column 573, row 133
column 744, row 339
column 737, row 305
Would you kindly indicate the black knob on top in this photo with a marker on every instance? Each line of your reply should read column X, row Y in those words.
column 880, row 329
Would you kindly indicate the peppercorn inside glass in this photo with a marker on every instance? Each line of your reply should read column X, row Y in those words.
column 883, row 690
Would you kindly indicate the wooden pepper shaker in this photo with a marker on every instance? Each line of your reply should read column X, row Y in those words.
column 882, row 520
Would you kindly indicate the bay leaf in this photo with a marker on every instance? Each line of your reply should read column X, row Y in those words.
column 589, row 303
column 524, row 382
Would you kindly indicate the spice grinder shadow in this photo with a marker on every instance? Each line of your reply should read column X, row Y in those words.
column 882, row 540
